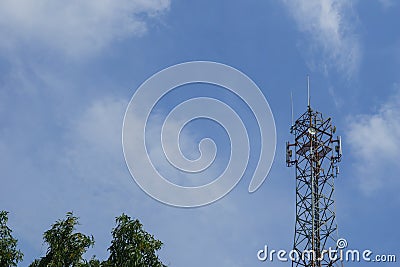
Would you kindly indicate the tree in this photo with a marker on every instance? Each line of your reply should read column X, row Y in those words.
column 132, row 246
column 65, row 248
column 9, row 254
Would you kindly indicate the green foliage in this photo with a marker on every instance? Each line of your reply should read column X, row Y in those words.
column 65, row 248
column 132, row 246
column 9, row 254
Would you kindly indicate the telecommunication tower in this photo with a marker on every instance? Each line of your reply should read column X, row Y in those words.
column 315, row 153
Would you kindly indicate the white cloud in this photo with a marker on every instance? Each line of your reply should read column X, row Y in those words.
column 387, row 3
column 100, row 125
column 94, row 140
column 74, row 27
column 375, row 141
column 329, row 26
column 98, row 132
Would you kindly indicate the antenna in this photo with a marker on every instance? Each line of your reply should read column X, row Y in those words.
column 308, row 90
column 291, row 104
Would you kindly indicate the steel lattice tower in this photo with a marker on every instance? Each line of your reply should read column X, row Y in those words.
column 315, row 154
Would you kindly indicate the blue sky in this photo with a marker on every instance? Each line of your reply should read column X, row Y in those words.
column 68, row 71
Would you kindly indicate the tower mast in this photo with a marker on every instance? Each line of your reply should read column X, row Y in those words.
column 315, row 153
